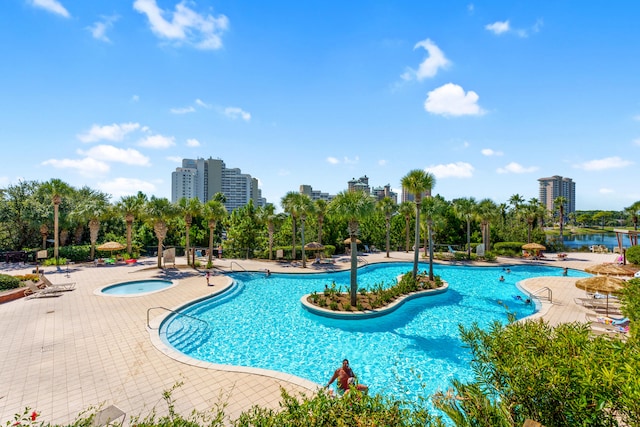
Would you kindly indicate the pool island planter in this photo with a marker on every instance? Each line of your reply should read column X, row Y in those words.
column 368, row 314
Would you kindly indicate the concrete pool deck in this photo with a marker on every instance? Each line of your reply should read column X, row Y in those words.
column 62, row 355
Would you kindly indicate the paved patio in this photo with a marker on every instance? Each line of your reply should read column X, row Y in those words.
column 64, row 354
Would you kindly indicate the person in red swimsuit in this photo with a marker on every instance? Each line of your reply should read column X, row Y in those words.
column 346, row 379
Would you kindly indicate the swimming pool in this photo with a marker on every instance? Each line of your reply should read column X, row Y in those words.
column 136, row 287
column 409, row 353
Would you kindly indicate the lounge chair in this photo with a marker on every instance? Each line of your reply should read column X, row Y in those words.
column 33, row 291
column 61, row 286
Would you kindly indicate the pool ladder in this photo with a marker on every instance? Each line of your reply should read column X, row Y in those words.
column 231, row 266
column 549, row 293
column 174, row 312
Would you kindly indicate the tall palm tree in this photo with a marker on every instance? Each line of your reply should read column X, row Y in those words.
column 633, row 211
column 388, row 208
column 406, row 209
column 487, row 211
column 320, row 209
column 214, row 212
column 432, row 207
column 130, row 207
column 189, row 208
column 529, row 212
column 559, row 203
column 296, row 205
column 353, row 207
column 305, row 208
column 56, row 189
column 157, row 212
column 464, row 209
column 417, row 182
column 268, row 216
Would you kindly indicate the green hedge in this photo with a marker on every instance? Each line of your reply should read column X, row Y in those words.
column 8, row 282
column 633, row 255
column 508, row 248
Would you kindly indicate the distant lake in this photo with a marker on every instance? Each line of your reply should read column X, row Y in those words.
column 576, row 241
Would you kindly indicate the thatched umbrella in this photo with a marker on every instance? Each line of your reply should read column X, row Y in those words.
column 603, row 284
column 533, row 247
column 111, row 246
column 348, row 241
column 609, row 270
column 314, row 246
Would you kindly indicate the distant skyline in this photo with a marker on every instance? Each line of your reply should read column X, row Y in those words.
column 487, row 97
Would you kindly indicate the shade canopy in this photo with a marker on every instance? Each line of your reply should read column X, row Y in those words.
column 348, row 240
column 314, row 246
column 533, row 247
column 609, row 269
column 603, row 284
column 111, row 246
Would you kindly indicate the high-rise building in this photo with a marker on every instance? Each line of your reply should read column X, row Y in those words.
column 408, row 197
column 381, row 192
column 557, row 186
column 315, row 194
column 204, row 178
column 360, row 184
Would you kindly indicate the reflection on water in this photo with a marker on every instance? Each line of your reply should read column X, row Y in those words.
column 576, row 241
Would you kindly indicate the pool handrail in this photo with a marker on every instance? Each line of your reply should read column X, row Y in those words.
column 231, row 266
column 174, row 312
column 549, row 293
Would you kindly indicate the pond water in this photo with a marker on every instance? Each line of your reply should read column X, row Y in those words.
column 577, row 241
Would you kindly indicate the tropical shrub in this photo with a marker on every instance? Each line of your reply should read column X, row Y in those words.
column 8, row 282
column 508, row 248
column 633, row 255
column 562, row 376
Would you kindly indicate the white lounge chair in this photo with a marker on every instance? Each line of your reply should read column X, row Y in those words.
column 69, row 286
column 33, row 291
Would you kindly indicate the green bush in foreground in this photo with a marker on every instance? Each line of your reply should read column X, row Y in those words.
column 633, row 255
column 8, row 282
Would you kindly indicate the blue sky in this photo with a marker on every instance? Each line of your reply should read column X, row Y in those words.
column 488, row 96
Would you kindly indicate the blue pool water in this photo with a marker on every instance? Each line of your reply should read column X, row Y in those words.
column 412, row 352
column 136, row 287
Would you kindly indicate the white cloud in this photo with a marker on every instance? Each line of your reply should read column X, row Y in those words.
column 235, row 113
column 503, row 27
column 636, row 142
column 348, row 161
column 175, row 159
column 202, row 104
column 184, row 110
column 637, row 118
column 109, row 153
column 498, row 27
column 283, row 172
column 451, row 170
column 604, row 164
column 470, row 8
column 192, row 142
column 99, row 29
column 184, row 24
column 53, row 6
column 514, row 167
column 86, row 167
column 157, row 141
column 451, row 100
column 332, row 160
column 430, row 66
column 120, row 187
column 489, row 152
column 605, row 191
column 382, row 162
column 114, row 132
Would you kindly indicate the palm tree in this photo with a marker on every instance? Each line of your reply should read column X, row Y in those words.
column 56, row 189
column 633, row 211
column 406, row 209
column 189, row 208
column 388, row 208
column 352, row 206
column 464, row 209
column 213, row 211
column 320, row 209
column 432, row 207
column 559, row 203
column 305, row 207
column 157, row 212
column 268, row 216
column 487, row 211
column 290, row 204
column 130, row 207
column 417, row 182
column 529, row 212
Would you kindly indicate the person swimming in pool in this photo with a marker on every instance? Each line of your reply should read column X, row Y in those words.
column 346, row 379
